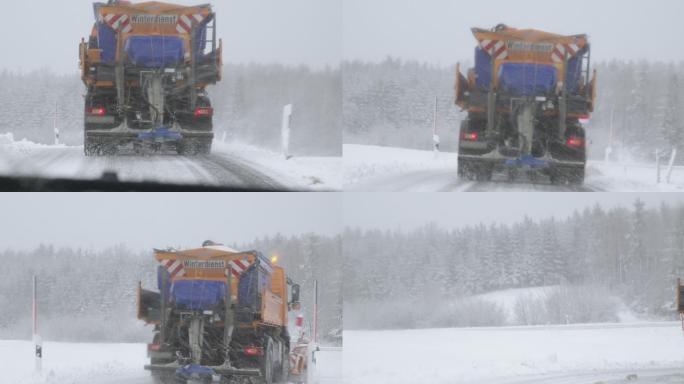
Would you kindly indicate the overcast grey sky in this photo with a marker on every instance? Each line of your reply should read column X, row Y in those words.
column 438, row 31
column 145, row 221
column 45, row 33
column 410, row 210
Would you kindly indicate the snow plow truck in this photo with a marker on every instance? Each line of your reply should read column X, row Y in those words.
column 146, row 67
column 221, row 315
column 525, row 97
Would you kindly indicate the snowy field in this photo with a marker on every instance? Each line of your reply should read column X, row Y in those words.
column 375, row 168
column 588, row 353
column 235, row 165
column 82, row 363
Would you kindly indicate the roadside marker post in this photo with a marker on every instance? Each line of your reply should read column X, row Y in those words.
column 37, row 340
column 287, row 118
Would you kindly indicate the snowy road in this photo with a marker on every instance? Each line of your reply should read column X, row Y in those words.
column 582, row 353
column 448, row 181
column 374, row 168
column 643, row 376
column 108, row 363
column 227, row 166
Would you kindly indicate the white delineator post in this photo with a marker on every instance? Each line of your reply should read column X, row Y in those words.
column 37, row 341
column 609, row 148
column 287, row 117
column 657, row 154
column 435, row 137
column 670, row 165
column 54, row 126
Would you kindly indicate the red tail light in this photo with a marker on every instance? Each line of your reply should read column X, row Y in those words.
column 575, row 142
column 253, row 351
column 469, row 136
column 97, row 111
column 204, row 112
column 153, row 347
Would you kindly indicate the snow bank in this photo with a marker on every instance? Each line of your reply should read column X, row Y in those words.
column 11, row 150
column 311, row 173
column 365, row 162
column 82, row 363
column 633, row 177
column 467, row 355
column 308, row 173
column 366, row 166
column 72, row 362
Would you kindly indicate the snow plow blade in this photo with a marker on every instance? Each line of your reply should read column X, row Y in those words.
column 218, row 370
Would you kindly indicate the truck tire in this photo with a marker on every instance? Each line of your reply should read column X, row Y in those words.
column 204, row 147
column 478, row 171
column 267, row 368
column 285, row 366
column 89, row 147
column 576, row 176
column 484, row 173
column 164, row 378
column 188, row 147
column 464, row 171
column 567, row 175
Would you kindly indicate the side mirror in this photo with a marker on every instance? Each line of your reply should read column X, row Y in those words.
column 295, row 294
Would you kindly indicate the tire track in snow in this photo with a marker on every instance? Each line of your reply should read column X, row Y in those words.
column 227, row 166
column 617, row 376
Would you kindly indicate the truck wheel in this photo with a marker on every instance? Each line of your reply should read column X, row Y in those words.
column 576, row 175
column 187, row 147
column 465, row 170
column 89, row 147
column 267, row 363
column 285, row 366
column 164, row 378
column 204, row 147
column 484, row 172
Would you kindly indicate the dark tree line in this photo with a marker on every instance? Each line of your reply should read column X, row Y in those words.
column 637, row 253
column 91, row 294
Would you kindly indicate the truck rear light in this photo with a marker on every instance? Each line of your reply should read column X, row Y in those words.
column 574, row 142
column 253, row 351
column 469, row 136
column 153, row 347
column 97, row 111
column 204, row 112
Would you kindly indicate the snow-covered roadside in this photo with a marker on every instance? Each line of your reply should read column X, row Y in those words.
column 11, row 149
column 376, row 167
column 74, row 363
column 633, row 177
column 246, row 165
column 469, row 355
column 106, row 363
column 311, row 173
column 366, row 162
